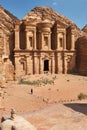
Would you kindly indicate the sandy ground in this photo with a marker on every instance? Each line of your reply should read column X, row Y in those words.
column 52, row 106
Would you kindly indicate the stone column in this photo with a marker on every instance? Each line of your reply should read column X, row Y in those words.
column 33, row 64
column 57, row 46
column 41, row 65
column 34, row 40
column 49, row 40
column 60, row 62
column 64, row 41
column 17, row 66
column 65, row 69
column 27, row 40
column 36, row 63
column 41, row 40
column 56, row 64
column 17, row 36
column 53, row 64
column 27, row 63
column 72, row 41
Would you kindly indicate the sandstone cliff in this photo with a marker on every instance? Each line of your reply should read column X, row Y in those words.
column 6, row 19
column 6, row 41
column 85, row 29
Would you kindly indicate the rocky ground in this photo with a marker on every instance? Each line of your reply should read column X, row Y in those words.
column 54, row 103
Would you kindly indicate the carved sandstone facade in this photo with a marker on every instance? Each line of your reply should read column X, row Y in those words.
column 43, row 47
column 43, row 42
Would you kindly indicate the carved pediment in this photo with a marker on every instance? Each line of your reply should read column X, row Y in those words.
column 60, row 24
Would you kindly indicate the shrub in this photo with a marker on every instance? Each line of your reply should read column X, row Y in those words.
column 82, row 96
column 44, row 81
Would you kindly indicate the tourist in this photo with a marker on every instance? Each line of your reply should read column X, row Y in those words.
column 31, row 91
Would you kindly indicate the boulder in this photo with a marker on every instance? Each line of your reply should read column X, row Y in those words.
column 18, row 123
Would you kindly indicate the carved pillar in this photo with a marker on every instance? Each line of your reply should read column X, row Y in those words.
column 27, row 39
column 35, row 40
column 49, row 41
column 72, row 41
column 64, row 41
column 72, row 38
column 17, row 36
column 56, row 64
column 60, row 62
column 17, row 64
column 36, row 64
column 41, row 65
column 53, row 64
column 57, row 43
column 65, row 67
column 41, row 39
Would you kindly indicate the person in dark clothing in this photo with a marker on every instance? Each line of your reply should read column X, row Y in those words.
column 31, row 91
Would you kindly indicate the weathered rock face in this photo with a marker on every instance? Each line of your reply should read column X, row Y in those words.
column 6, row 41
column 7, row 19
column 81, row 58
column 85, row 29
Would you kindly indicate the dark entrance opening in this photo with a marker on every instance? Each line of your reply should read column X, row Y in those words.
column 46, row 65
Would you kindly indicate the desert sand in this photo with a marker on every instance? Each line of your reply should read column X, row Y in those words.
column 51, row 106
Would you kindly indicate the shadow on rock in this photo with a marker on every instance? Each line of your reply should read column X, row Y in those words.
column 79, row 107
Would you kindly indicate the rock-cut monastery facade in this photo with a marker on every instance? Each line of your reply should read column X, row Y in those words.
column 42, row 42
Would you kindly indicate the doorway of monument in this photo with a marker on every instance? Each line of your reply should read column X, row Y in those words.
column 46, row 65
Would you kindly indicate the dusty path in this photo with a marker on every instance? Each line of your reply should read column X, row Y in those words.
column 56, row 117
column 65, row 90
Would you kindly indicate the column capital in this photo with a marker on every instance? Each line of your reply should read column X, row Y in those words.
column 72, row 32
column 17, row 28
column 17, row 22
